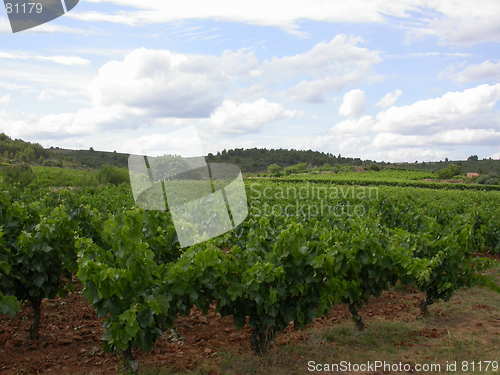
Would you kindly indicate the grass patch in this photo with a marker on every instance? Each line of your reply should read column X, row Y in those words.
column 53, row 176
column 382, row 335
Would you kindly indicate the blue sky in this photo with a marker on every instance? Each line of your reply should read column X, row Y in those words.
column 381, row 80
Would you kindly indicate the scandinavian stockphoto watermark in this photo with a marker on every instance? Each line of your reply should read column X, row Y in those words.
column 309, row 200
column 204, row 199
column 26, row 14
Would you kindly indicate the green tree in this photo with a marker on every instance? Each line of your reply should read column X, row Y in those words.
column 449, row 172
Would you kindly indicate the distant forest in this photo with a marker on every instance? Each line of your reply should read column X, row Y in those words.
column 255, row 160
column 258, row 159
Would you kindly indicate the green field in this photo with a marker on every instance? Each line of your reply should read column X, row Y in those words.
column 387, row 177
column 383, row 175
column 305, row 249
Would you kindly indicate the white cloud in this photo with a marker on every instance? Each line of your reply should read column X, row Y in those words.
column 315, row 91
column 487, row 71
column 466, row 136
column 469, row 137
column 239, row 118
column 4, row 100
column 353, row 104
column 328, row 66
column 456, row 22
column 185, row 141
column 471, row 108
column 462, row 21
column 29, row 78
column 411, row 154
column 389, row 99
column 83, row 122
column 452, row 110
column 333, row 57
column 179, row 85
column 496, row 156
column 62, row 60
column 161, row 83
column 166, row 84
column 354, row 126
column 258, row 12
column 393, row 140
column 58, row 95
column 432, row 128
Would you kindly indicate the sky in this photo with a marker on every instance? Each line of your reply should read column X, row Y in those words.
column 408, row 80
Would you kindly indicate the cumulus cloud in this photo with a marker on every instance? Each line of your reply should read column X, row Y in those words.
column 328, row 66
column 486, row 71
column 167, row 84
column 471, row 108
column 453, row 109
column 455, row 119
column 326, row 58
column 468, row 137
column 389, row 99
column 461, row 22
column 86, row 121
column 353, row 104
column 161, row 83
column 239, row 118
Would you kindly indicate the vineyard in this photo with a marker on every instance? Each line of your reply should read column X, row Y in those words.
column 305, row 249
column 398, row 178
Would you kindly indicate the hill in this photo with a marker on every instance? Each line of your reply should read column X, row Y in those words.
column 258, row 159
column 14, row 151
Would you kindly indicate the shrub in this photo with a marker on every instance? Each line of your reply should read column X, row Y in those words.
column 373, row 167
column 112, row 175
column 449, row 171
column 488, row 180
column 18, row 174
column 52, row 163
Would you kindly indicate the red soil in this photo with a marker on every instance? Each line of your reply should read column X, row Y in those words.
column 70, row 337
